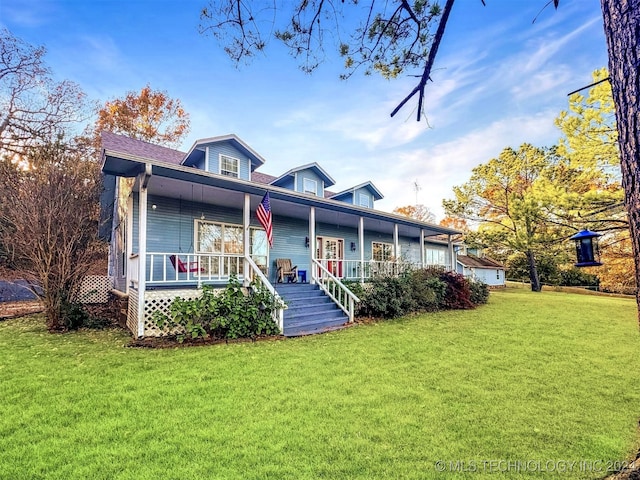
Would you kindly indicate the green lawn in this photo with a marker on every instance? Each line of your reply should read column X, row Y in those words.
column 534, row 380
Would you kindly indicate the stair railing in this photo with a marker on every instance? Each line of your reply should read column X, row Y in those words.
column 334, row 288
column 278, row 313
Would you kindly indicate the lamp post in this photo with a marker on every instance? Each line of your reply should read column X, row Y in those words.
column 587, row 251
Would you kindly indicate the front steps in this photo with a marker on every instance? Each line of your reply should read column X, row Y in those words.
column 309, row 310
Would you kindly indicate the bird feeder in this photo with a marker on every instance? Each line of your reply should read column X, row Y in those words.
column 587, row 251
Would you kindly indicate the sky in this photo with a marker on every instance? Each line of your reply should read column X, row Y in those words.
column 499, row 81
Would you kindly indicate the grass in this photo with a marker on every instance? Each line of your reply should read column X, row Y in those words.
column 530, row 379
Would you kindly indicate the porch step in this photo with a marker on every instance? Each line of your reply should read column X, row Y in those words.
column 309, row 310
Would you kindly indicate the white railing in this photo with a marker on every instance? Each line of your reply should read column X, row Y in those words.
column 192, row 267
column 334, row 288
column 278, row 313
column 356, row 270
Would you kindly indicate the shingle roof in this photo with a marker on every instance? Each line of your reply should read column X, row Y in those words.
column 262, row 177
column 473, row 261
column 120, row 143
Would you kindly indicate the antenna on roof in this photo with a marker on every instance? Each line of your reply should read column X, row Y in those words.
column 417, row 188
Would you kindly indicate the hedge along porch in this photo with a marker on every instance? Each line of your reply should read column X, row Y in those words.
column 179, row 227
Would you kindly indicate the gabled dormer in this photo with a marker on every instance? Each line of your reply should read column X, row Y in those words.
column 363, row 195
column 225, row 155
column 310, row 178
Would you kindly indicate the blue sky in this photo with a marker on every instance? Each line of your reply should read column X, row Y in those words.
column 499, row 81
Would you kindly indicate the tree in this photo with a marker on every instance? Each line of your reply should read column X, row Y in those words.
column 390, row 38
column 49, row 212
column 151, row 116
column 456, row 223
column 622, row 30
column 513, row 200
column 32, row 106
column 417, row 212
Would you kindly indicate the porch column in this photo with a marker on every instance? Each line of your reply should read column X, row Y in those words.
column 452, row 265
column 395, row 241
column 422, row 259
column 129, row 243
column 312, row 243
column 361, row 242
column 142, row 245
column 246, row 215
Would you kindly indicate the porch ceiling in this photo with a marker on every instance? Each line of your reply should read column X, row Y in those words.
column 194, row 185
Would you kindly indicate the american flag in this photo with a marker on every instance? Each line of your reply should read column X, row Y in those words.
column 263, row 212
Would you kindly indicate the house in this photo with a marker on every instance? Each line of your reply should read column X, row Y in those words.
column 473, row 263
column 181, row 220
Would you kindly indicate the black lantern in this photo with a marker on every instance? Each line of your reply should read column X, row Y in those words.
column 587, row 251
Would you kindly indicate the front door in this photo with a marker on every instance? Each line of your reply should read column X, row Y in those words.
column 331, row 254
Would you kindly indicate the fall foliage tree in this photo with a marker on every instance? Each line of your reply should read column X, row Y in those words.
column 49, row 212
column 512, row 198
column 33, row 106
column 417, row 212
column 150, row 115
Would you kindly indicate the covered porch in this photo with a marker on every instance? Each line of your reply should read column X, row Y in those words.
column 181, row 228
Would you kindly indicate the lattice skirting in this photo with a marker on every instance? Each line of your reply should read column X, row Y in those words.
column 161, row 300
column 95, row 289
column 132, row 312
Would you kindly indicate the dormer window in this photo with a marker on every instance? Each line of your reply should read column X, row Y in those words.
column 310, row 186
column 229, row 166
column 364, row 200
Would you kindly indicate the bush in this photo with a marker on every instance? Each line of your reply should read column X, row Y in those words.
column 229, row 314
column 424, row 290
column 386, row 298
column 479, row 292
column 427, row 289
column 458, row 293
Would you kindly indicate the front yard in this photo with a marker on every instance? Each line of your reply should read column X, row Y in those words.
column 548, row 384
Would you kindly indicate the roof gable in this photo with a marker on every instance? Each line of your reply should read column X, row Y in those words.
column 377, row 195
column 317, row 169
column 196, row 152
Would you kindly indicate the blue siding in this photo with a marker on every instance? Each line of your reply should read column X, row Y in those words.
column 200, row 164
column 289, row 242
column 347, row 198
column 227, row 149
column 310, row 174
column 288, row 183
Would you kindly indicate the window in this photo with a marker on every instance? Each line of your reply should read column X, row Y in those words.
column 219, row 239
column 259, row 248
column 229, row 166
column 497, row 274
column 381, row 252
column 310, row 186
column 435, row 256
column 363, row 200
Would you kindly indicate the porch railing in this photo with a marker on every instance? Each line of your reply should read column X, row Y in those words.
column 334, row 288
column 356, row 270
column 192, row 267
column 258, row 276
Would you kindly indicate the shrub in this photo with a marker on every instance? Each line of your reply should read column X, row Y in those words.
column 427, row 289
column 479, row 292
column 229, row 314
column 458, row 293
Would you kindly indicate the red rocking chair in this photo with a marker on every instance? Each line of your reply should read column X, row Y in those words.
column 184, row 267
